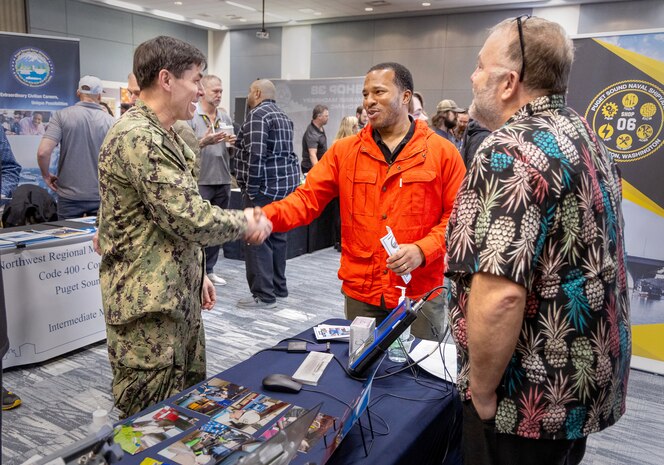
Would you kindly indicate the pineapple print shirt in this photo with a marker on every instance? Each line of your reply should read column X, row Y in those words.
column 540, row 205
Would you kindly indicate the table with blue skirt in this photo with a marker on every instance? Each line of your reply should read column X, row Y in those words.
column 415, row 417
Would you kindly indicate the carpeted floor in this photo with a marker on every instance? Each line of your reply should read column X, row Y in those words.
column 60, row 395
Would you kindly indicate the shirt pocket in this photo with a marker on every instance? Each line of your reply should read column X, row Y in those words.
column 364, row 192
column 419, row 191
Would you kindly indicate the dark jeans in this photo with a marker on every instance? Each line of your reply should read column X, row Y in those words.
column 219, row 195
column 76, row 208
column 266, row 263
column 482, row 445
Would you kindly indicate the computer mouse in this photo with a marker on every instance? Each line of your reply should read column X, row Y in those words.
column 281, row 383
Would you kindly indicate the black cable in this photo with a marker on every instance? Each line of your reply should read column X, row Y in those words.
column 275, row 348
column 298, row 339
column 285, row 348
column 343, row 367
column 445, row 387
column 412, row 399
column 410, row 366
column 327, row 394
column 377, row 433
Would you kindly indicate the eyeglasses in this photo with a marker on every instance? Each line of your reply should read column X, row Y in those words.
column 519, row 22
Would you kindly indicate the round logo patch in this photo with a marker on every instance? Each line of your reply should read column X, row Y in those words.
column 31, row 67
column 628, row 117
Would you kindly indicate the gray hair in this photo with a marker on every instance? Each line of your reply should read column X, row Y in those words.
column 549, row 53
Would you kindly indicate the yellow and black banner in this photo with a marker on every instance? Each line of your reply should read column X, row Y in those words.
column 617, row 84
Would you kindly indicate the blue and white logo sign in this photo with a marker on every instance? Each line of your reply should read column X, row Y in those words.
column 31, row 67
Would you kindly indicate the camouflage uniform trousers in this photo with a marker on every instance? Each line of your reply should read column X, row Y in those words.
column 155, row 357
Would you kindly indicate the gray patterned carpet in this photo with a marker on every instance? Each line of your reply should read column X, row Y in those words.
column 59, row 396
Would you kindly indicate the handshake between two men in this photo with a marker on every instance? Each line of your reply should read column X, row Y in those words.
column 258, row 226
column 258, row 229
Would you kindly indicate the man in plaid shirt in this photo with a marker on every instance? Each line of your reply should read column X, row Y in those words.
column 267, row 169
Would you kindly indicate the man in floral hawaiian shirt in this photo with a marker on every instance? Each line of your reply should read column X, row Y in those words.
column 536, row 258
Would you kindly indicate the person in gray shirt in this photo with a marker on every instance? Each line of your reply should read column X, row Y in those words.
column 80, row 130
column 314, row 139
column 213, row 129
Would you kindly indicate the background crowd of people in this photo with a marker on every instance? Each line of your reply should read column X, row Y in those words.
column 514, row 200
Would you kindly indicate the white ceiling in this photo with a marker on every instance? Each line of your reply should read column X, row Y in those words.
column 237, row 14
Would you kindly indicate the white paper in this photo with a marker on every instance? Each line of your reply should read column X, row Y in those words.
column 330, row 332
column 444, row 369
column 312, row 368
column 391, row 246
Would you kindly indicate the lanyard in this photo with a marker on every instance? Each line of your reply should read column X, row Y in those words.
column 209, row 123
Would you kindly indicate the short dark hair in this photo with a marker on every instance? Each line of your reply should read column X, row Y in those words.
column 167, row 53
column 358, row 110
column 402, row 77
column 318, row 110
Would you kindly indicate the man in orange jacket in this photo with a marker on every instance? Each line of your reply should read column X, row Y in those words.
column 396, row 172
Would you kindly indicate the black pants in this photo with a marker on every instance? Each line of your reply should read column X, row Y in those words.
column 482, row 445
column 337, row 223
column 219, row 195
column 266, row 263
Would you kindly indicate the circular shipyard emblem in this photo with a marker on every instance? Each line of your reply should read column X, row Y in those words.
column 628, row 118
column 31, row 67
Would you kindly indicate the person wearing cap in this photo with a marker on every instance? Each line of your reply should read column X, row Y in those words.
column 445, row 119
column 80, row 130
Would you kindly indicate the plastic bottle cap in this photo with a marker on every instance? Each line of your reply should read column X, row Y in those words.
column 100, row 417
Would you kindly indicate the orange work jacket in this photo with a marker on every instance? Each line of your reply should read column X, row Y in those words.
column 413, row 196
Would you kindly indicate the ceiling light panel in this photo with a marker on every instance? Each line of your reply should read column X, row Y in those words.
column 286, row 11
column 241, row 5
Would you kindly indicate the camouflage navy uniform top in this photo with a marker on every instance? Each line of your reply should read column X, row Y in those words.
column 540, row 205
column 154, row 221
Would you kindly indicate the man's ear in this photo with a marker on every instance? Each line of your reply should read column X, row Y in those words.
column 407, row 97
column 510, row 85
column 164, row 79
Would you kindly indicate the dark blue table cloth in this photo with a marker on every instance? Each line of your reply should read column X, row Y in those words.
column 414, row 421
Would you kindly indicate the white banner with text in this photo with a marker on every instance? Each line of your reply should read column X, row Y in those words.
column 53, row 301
